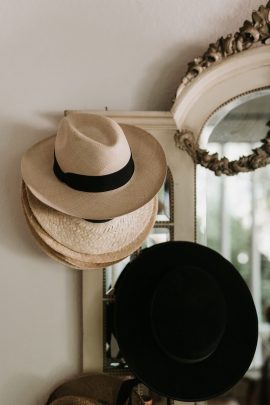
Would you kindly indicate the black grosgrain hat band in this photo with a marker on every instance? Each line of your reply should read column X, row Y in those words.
column 95, row 184
column 98, row 221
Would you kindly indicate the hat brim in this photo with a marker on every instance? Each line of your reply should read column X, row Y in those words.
column 53, row 249
column 74, row 400
column 79, row 241
column 185, row 382
column 149, row 174
column 53, row 254
column 98, row 387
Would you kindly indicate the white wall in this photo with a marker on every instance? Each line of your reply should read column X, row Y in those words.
column 124, row 54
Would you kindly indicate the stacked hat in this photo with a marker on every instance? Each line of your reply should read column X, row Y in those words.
column 89, row 193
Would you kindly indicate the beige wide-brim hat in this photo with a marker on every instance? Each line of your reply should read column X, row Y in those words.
column 52, row 248
column 54, row 254
column 95, row 168
column 82, row 244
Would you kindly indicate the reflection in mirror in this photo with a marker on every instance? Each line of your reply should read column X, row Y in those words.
column 158, row 235
column 165, row 200
column 162, row 232
column 234, row 218
column 235, row 122
column 241, row 120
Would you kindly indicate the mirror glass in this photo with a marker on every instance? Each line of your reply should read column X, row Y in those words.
column 164, row 201
column 233, row 213
column 241, row 120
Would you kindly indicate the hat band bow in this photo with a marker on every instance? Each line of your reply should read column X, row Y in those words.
column 95, row 184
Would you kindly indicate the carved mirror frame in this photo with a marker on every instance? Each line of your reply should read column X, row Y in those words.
column 232, row 67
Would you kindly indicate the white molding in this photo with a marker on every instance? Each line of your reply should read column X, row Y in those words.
column 92, row 320
column 145, row 119
column 221, row 82
column 214, row 87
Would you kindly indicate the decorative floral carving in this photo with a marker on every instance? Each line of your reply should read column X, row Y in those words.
column 257, row 30
column 260, row 157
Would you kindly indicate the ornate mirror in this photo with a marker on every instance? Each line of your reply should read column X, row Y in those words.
column 233, row 211
column 222, row 112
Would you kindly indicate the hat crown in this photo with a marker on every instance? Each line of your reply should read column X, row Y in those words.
column 188, row 314
column 90, row 145
column 156, row 291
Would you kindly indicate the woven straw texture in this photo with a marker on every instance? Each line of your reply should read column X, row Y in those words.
column 98, row 141
column 149, row 173
column 76, row 264
column 103, row 242
column 96, row 388
column 79, row 262
column 72, row 400
column 67, row 255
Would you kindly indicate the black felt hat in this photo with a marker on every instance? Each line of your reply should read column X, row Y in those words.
column 185, row 321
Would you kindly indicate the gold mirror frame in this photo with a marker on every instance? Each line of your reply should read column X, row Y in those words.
column 259, row 158
column 257, row 30
column 225, row 61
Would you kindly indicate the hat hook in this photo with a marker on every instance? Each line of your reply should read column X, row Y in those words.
column 110, row 295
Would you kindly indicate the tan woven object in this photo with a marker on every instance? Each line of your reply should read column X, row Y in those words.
column 76, row 264
column 92, row 145
column 74, row 230
column 101, row 242
column 48, row 244
column 53, row 248
column 72, row 400
column 96, row 388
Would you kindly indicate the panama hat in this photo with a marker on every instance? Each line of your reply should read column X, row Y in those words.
column 95, row 168
column 79, row 264
column 185, row 321
column 83, row 244
column 96, row 389
column 53, row 248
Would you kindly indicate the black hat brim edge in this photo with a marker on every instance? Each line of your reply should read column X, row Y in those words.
column 184, row 382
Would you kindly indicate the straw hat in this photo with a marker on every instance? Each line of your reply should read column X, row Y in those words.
column 95, row 168
column 96, row 389
column 185, row 321
column 65, row 260
column 72, row 400
column 83, row 244
column 51, row 247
